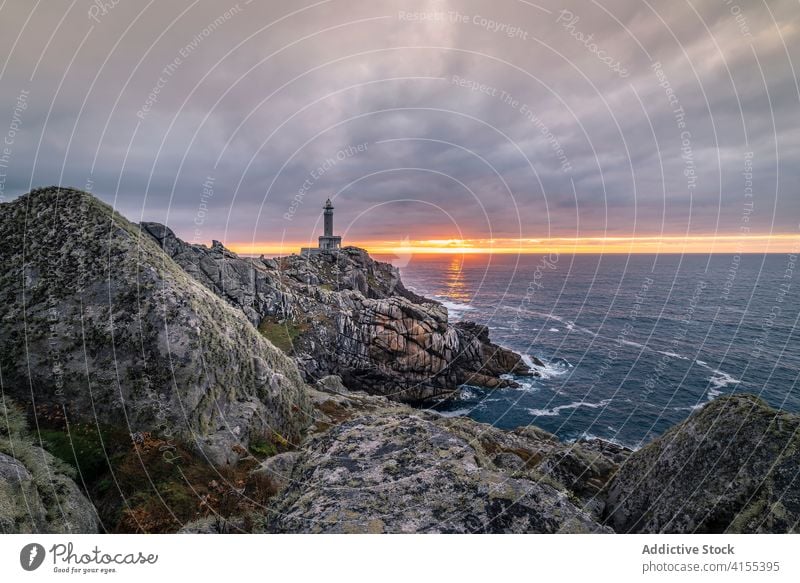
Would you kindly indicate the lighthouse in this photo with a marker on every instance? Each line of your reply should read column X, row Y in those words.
column 327, row 210
column 327, row 241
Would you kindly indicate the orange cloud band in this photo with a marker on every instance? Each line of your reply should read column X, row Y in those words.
column 775, row 243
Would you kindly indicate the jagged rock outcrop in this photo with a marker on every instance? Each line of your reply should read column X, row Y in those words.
column 344, row 313
column 733, row 466
column 37, row 492
column 378, row 466
column 98, row 320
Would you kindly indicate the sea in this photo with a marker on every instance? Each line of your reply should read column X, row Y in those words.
column 630, row 345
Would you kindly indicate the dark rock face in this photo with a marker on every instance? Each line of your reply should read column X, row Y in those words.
column 482, row 362
column 343, row 313
column 733, row 466
column 98, row 319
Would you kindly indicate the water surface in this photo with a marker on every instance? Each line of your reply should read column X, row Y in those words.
column 631, row 344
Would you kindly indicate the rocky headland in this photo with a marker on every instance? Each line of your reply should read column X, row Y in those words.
column 151, row 385
column 344, row 313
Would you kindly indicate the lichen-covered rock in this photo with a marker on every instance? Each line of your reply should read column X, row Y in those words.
column 278, row 469
column 582, row 469
column 99, row 320
column 343, row 313
column 374, row 465
column 408, row 473
column 332, row 384
column 733, row 466
column 37, row 491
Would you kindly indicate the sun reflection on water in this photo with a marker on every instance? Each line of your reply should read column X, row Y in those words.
column 454, row 281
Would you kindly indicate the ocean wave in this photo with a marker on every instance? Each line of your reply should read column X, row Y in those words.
column 527, row 386
column 689, row 408
column 468, row 393
column 454, row 309
column 554, row 330
column 575, row 405
column 718, row 380
column 721, row 379
column 568, row 324
column 672, row 354
column 554, row 368
column 667, row 353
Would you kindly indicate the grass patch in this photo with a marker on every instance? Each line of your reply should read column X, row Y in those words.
column 163, row 492
column 263, row 448
column 282, row 334
column 150, row 484
column 269, row 445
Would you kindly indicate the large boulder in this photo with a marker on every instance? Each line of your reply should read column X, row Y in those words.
column 377, row 466
column 731, row 467
column 99, row 321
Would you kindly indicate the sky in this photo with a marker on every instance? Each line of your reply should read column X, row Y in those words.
column 434, row 126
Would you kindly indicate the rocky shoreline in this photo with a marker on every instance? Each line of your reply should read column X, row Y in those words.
column 275, row 395
column 346, row 314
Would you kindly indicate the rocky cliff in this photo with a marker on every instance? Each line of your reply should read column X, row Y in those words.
column 346, row 314
column 151, row 367
column 99, row 322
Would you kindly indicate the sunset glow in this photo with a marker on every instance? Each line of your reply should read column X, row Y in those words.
column 777, row 243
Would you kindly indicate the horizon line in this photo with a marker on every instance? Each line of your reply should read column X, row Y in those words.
column 669, row 244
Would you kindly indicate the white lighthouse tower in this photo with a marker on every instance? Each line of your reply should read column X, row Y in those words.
column 327, row 241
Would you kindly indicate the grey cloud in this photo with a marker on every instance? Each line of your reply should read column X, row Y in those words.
column 388, row 83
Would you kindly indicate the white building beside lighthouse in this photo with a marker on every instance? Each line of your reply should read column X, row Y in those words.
column 327, row 241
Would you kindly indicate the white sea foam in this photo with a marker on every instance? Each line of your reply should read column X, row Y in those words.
column 549, row 370
column 722, row 379
column 632, row 343
column 719, row 380
column 455, row 309
column 528, row 386
column 468, row 393
column 650, row 349
column 569, row 324
column 553, row 330
column 672, row 354
column 691, row 408
column 577, row 404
